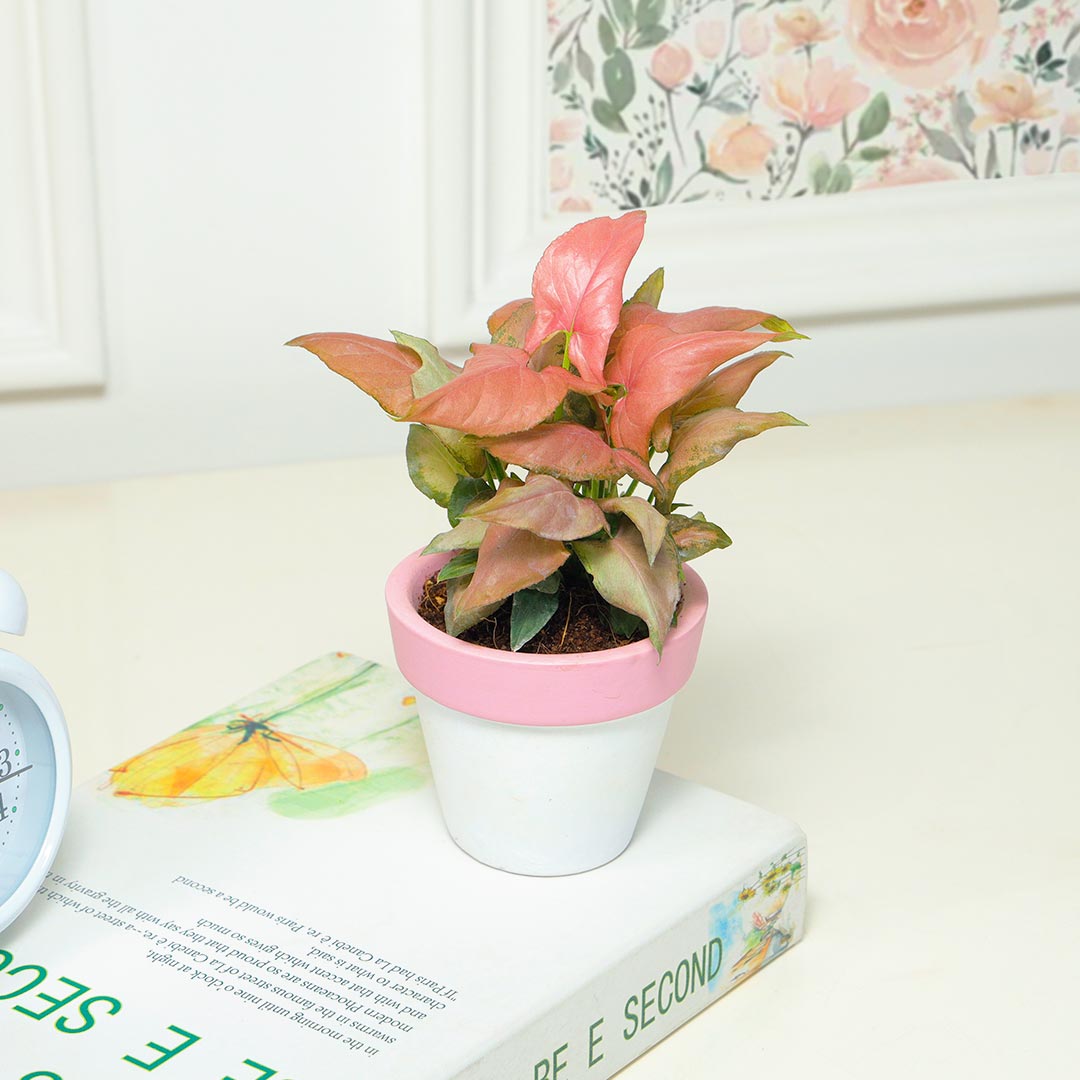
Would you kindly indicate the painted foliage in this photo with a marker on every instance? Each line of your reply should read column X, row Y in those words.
column 668, row 101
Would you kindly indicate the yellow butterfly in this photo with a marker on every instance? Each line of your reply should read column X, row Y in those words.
column 220, row 760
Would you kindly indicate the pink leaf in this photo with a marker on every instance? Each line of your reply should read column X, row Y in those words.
column 508, row 560
column 382, row 369
column 510, row 324
column 647, row 519
column 658, row 367
column 705, row 439
column 623, row 576
column 724, row 389
column 577, row 287
column 694, row 536
column 571, row 452
column 685, row 322
column 497, row 393
column 544, row 506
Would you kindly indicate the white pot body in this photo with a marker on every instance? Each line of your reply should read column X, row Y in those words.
column 537, row 800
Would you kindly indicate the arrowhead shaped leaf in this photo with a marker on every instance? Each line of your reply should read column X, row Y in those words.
column 461, row 565
column 571, row 452
column 433, row 372
column 622, row 575
column 530, row 613
column 465, row 535
column 649, row 290
column 510, row 324
column 649, row 521
column 657, row 367
column 382, row 369
column 432, row 468
column 695, row 536
column 724, row 389
column 497, row 393
column 642, row 313
column 544, row 506
column 578, row 286
column 708, row 437
column 510, row 559
column 457, row 618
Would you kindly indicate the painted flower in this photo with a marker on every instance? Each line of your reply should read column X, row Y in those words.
column 671, row 64
column 919, row 171
column 1010, row 99
column 711, row 37
column 922, row 43
column 739, row 148
column 561, row 173
column 753, row 36
column 565, row 129
column 1038, row 162
column 1070, row 125
column 575, row 203
column 817, row 95
column 802, row 27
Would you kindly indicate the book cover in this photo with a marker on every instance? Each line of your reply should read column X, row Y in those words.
column 271, row 893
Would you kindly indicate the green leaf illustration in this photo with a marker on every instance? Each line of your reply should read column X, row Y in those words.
column 560, row 78
column 962, row 116
column 586, row 67
column 607, row 34
column 619, row 80
column 874, row 118
column 820, row 171
column 839, row 181
column 650, row 12
column 648, row 36
column 608, row 115
column 944, row 145
column 874, row 153
column 624, row 12
column 665, row 175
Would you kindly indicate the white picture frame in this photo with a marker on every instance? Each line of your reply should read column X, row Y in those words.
column 50, row 278
column 909, row 248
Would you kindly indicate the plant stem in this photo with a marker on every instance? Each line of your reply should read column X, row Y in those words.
column 804, row 134
column 630, row 489
column 683, row 186
column 674, row 126
column 1016, row 140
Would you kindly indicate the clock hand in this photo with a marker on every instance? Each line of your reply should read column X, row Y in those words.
column 25, row 768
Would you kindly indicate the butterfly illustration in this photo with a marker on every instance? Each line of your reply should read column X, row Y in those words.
column 217, row 761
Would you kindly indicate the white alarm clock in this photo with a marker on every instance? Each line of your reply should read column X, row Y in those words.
column 35, row 766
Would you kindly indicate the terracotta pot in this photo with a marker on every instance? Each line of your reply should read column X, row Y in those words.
column 541, row 763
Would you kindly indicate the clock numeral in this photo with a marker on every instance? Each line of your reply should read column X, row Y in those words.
column 4, row 811
column 5, row 762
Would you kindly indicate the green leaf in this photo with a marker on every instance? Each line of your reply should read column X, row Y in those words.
column 874, row 118
column 874, row 153
column 458, row 566
column 623, row 624
column 962, row 116
column 695, row 536
column 650, row 289
column 586, row 67
column 608, row 115
column 783, row 329
column 550, row 584
column 433, row 372
column 820, row 171
column 664, row 178
column 458, row 619
column 649, row 12
column 467, row 534
column 622, row 575
column 943, row 144
column 466, row 491
column 619, row 80
column 560, row 77
column 624, row 12
column 530, row 612
column 839, row 181
column 607, row 35
column 432, row 468
column 648, row 36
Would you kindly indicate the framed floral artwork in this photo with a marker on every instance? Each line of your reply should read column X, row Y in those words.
column 656, row 102
column 734, row 122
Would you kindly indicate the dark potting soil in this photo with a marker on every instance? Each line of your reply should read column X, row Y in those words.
column 580, row 623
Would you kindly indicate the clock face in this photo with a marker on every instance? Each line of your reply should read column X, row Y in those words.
column 27, row 785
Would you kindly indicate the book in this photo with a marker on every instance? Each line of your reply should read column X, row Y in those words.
column 271, row 893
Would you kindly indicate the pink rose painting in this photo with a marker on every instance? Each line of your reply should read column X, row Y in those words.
column 655, row 102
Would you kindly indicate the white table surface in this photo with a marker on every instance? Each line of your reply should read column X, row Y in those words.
column 892, row 659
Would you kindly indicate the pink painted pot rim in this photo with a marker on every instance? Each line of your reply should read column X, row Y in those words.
column 537, row 690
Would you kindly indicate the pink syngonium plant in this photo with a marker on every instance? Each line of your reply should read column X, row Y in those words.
column 578, row 390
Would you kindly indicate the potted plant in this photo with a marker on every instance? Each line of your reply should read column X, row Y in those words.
column 548, row 629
